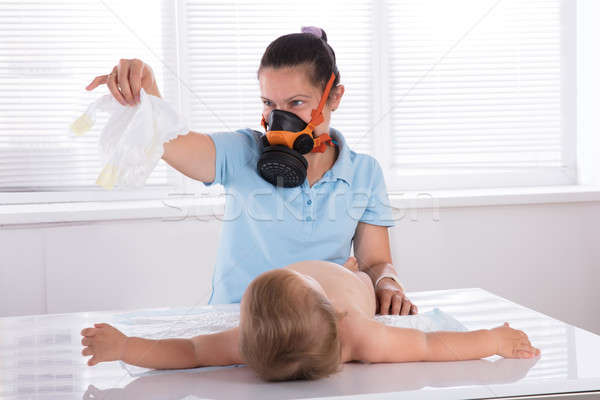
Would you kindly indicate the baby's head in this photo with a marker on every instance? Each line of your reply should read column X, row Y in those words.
column 288, row 328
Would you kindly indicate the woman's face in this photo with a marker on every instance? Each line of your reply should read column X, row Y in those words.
column 289, row 89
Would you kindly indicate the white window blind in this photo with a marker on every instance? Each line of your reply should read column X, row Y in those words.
column 444, row 94
column 49, row 52
column 480, row 93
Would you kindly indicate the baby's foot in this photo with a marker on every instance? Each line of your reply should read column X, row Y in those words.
column 351, row 264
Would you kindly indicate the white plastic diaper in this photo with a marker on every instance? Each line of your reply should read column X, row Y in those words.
column 131, row 142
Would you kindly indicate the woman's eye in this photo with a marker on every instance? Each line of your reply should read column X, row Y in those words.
column 293, row 102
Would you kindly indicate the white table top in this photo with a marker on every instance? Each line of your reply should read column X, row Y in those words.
column 40, row 357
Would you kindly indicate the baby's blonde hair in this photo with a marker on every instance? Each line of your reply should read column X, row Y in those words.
column 289, row 331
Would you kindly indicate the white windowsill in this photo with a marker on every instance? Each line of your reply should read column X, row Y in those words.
column 212, row 209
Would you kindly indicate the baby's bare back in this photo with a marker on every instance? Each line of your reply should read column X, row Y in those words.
column 347, row 288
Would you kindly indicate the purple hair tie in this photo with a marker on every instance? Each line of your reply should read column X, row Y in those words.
column 318, row 32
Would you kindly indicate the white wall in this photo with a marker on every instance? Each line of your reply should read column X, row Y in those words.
column 106, row 266
column 544, row 256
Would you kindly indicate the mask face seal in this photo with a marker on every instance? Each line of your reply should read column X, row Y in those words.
column 287, row 138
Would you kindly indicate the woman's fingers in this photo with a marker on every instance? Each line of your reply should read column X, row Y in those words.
column 111, row 82
column 99, row 80
column 87, row 351
column 135, row 78
column 123, row 80
column 126, row 81
column 88, row 332
column 384, row 302
column 406, row 304
column 396, row 304
column 113, row 86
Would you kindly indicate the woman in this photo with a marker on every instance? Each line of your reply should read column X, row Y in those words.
column 340, row 199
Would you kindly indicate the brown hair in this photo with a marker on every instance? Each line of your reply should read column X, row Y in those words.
column 304, row 49
column 290, row 331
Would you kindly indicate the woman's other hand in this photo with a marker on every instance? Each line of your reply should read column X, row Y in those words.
column 513, row 343
column 104, row 342
column 391, row 299
column 126, row 80
column 390, row 296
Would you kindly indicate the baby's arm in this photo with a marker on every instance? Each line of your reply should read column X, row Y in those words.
column 376, row 342
column 106, row 343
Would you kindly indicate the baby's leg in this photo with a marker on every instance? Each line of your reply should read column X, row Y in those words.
column 351, row 264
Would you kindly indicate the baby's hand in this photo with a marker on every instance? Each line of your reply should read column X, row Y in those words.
column 104, row 343
column 513, row 343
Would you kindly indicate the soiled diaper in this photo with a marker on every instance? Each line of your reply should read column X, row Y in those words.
column 131, row 143
column 160, row 324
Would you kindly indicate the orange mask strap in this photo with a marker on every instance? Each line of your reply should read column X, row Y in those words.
column 263, row 122
column 317, row 114
column 320, row 143
column 317, row 118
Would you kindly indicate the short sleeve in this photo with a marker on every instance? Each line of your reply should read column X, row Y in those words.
column 233, row 151
column 379, row 209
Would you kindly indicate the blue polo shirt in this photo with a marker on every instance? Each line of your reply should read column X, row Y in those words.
column 266, row 227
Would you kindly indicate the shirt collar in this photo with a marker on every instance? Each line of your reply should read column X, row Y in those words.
column 342, row 168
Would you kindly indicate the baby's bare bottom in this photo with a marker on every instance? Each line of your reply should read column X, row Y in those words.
column 352, row 265
column 367, row 280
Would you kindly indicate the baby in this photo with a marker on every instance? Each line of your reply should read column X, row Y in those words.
column 302, row 322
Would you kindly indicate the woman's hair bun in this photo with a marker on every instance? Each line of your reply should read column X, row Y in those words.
column 318, row 32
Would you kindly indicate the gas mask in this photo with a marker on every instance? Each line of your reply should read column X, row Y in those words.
column 287, row 138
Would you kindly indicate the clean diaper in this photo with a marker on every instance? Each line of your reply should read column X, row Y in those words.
column 131, row 143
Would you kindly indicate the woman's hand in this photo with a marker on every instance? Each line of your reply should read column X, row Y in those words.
column 391, row 299
column 126, row 80
column 513, row 343
column 104, row 343
column 390, row 296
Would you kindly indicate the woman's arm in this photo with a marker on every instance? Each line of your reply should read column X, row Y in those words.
column 372, row 251
column 375, row 342
column 106, row 343
column 193, row 155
